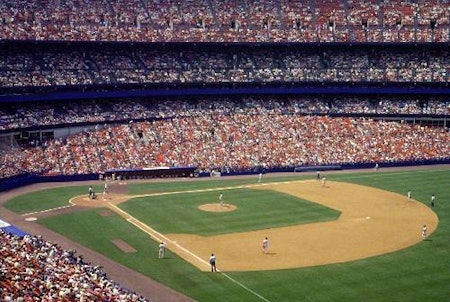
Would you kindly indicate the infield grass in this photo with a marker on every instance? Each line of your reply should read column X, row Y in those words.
column 256, row 210
column 418, row 273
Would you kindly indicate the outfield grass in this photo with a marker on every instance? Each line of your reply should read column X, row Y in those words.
column 419, row 273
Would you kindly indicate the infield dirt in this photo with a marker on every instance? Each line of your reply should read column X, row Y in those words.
column 372, row 222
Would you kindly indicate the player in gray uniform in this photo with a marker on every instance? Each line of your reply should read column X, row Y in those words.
column 424, row 232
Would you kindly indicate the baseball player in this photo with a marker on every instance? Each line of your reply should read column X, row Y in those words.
column 212, row 261
column 221, row 199
column 424, row 232
column 161, row 250
column 265, row 245
column 91, row 192
column 105, row 191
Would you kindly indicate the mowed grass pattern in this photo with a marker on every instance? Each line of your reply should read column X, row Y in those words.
column 419, row 273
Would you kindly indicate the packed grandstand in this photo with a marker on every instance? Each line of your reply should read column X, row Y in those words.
column 227, row 21
column 224, row 134
column 231, row 86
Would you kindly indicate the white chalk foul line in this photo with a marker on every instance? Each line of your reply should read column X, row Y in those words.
column 245, row 287
column 217, row 189
column 149, row 195
column 48, row 210
column 160, row 237
column 71, row 204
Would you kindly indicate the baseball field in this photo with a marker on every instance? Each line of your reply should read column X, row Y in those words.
column 358, row 237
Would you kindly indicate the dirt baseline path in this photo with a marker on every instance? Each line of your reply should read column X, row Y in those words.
column 372, row 222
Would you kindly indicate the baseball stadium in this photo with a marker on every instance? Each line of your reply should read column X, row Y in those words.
column 212, row 150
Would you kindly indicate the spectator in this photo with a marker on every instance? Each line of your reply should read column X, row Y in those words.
column 34, row 268
column 240, row 136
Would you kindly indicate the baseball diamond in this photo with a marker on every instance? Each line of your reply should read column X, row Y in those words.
column 372, row 222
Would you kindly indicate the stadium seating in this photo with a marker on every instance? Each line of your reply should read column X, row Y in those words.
column 33, row 268
column 229, row 21
column 208, row 134
column 57, row 66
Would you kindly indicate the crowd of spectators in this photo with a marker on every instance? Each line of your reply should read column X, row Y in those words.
column 58, row 66
column 33, row 269
column 16, row 116
column 226, row 21
column 242, row 134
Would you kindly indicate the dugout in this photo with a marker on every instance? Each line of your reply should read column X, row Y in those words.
column 146, row 173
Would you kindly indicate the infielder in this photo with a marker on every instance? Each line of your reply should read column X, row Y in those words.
column 424, row 232
column 265, row 245
column 212, row 261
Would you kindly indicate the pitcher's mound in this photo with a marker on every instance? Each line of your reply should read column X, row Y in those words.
column 215, row 207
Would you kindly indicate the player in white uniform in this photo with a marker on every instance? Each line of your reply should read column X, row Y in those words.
column 424, row 232
column 161, row 250
column 265, row 245
column 221, row 199
column 105, row 191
